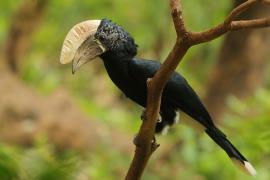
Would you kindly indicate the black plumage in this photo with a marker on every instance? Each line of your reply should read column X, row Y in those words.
column 130, row 74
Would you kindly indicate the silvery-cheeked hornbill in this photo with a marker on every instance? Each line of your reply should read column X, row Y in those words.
column 102, row 38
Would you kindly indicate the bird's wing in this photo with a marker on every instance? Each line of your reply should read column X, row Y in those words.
column 177, row 92
column 141, row 69
column 181, row 94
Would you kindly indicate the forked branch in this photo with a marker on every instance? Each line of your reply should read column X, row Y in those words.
column 230, row 24
column 145, row 145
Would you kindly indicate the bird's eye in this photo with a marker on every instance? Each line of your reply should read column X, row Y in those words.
column 101, row 38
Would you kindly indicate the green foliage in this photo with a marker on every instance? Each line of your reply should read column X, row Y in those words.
column 196, row 156
column 39, row 162
column 8, row 163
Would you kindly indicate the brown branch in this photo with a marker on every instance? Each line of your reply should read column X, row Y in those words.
column 213, row 33
column 239, row 10
column 145, row 146
column 176, row 12
column 230, row 25
column 266, row 2
column 247, row 24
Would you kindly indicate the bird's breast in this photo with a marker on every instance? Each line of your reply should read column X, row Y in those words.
column 122, row 78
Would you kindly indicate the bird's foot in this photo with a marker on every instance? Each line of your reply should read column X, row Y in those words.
column 154, row 144
column 143, row 115
column 154, row 140
column 135, row 140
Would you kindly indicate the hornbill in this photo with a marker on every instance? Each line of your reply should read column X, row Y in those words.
column 115, row 46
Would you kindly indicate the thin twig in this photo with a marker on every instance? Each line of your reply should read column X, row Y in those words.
column 230, row 25
column 176, row 13
column 239, row 10
column 266, row 2
column 247, row 24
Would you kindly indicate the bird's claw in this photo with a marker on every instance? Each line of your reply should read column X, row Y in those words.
column 154, row 144
column 143, row 115
column 154, row 140
column 135, row 139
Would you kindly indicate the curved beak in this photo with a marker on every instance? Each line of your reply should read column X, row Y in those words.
column 88, row 51
column 80, row 45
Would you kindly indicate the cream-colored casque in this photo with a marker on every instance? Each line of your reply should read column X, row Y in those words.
column 75, row 37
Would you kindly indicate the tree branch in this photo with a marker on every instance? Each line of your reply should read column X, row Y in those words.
column 176, row 13
column 144, row 143
column 239, row 10
column 145, row 146
column 266, row 2
column 248, row 24
column 230, row 25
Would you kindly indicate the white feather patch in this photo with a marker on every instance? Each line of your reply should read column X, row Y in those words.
column 165, row 130
column 246, row 167
column 75, row 37
column 252, row 171
column 177, row 117
column 159, row 118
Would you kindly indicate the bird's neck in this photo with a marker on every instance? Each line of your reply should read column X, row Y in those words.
column 117, row 67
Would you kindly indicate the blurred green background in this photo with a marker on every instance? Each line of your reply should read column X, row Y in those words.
column 54, row 125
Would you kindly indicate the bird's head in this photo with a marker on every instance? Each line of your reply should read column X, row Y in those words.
column 90, row 39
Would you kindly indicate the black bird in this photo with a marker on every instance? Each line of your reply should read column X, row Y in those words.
column 115, row 46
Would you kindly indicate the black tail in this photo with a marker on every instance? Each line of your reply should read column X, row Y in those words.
column 220, row 138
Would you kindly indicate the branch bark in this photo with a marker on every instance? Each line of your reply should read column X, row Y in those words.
column 145, row 146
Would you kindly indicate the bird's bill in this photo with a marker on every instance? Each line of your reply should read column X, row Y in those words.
column 87, row 52
column 80, row 46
